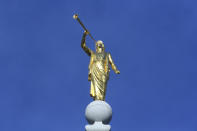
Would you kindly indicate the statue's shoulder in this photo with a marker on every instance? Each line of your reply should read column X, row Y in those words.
column 93, row 53
column 107, row 54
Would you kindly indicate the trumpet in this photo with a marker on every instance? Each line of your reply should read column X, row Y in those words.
column 75, row 16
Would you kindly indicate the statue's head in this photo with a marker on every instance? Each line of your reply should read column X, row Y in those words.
column 99, row 46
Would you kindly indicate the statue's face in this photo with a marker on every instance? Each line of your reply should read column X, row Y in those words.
column 99, row 46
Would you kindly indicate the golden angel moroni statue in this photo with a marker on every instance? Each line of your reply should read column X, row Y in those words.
column 99, row 66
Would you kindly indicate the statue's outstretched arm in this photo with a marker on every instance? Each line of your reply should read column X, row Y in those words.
column 113, row 65
column 83, row 44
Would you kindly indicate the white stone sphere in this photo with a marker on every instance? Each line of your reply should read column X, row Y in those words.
column 98, row 111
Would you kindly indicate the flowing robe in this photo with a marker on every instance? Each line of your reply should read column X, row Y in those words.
column 98, row 74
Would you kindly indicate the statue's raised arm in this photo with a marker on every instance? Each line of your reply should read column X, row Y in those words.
column 83, row 44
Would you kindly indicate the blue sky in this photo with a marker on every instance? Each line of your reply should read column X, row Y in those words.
column 43, row 70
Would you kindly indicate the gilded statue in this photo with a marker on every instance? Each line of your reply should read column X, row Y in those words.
column 99, row 66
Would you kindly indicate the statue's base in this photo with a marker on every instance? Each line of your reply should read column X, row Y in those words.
column 98, row 126
column 98, row 114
